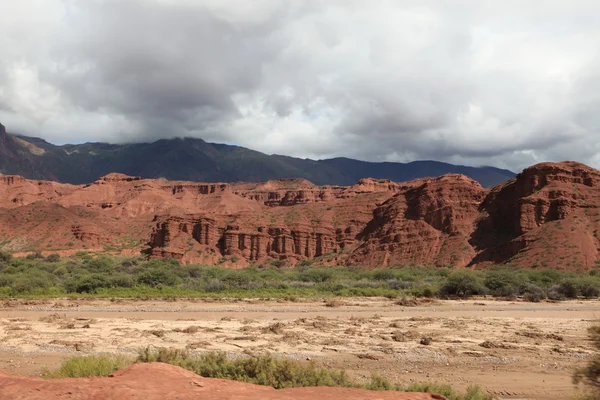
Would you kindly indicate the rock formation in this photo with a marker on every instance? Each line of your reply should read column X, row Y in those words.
column 546, row 217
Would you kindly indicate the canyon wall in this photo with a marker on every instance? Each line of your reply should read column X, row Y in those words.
column 546, row 217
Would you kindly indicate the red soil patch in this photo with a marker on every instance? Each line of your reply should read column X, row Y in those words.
column 158, row 381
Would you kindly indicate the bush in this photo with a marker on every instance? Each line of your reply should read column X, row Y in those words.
column 498, row 279
column 462, row 284
column 384, row 275
column 88, row 284
column 7, row 280
column 588, row 288
column 398, row 284
column 214, row 286
column 236, row 278
column 84, row 366
column 5, row 257
column 99, row 265
column 554, row 293
column 304, row 263
column 35, row 256
column 265, row 370
column 506, row 291
column 534, row 294
column 158, row 277
column 568, row 289
column 121, row 280
column 53, row 258
column 590, row 374
column 28, row 283
column 317, row 275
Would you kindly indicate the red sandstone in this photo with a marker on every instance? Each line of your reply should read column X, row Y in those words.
column 547, row 216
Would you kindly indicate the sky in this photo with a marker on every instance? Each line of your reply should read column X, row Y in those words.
column 503, row 83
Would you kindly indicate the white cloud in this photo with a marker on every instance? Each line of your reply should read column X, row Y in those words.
column 476, row 82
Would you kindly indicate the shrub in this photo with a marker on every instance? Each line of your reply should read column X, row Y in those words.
column 35, row 256
column 384, row 275
column 317, row 275
column 28, row 283
column 568, row 289
column 264, row 370
column 590, row 374
column 53, row 258
column 236, row 278
column 506, row 291
column 378, row 382
column 7, row 280
column 5, row 257
column 214, row 286
column 534, row 294
column 588, row 288
column 462, row 284
column 88, row 283
column 363, row 284
column 99, row 265
column 84, row 366
column 554, row 293
column 473, row 392
column 398, row 284
column 121, row 280
column 427, row 291
column 305, row 263
column 158, row 277
column 194, row 271
column 496, row 280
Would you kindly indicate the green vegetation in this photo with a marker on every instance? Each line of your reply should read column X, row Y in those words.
column 589, row 375
column 108, row 276
column 266, row 370
column 84, row 366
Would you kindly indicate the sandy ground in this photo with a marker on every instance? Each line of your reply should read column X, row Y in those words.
column 514, row 350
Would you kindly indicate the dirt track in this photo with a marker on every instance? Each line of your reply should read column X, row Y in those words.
column 519, row 350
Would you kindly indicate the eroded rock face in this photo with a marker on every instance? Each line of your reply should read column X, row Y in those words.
column 547, row 216
column 427, row 223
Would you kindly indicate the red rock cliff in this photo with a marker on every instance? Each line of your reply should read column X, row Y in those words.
column 547, row 217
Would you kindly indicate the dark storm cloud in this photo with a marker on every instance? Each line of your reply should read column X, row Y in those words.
column 475, row 82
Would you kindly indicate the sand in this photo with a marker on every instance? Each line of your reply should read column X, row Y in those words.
column 512, row 349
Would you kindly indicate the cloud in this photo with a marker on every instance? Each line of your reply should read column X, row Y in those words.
column 474, row 82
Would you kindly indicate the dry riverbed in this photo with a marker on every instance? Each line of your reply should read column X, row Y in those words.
column 513, row 349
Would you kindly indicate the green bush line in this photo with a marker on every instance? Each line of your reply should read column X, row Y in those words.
column 109, row 276
column 266, row 370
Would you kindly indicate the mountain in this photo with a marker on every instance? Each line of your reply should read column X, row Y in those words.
column 196, row 160
column 548, row 216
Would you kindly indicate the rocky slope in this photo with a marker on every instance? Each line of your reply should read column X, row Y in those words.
column 196, row 160
column 546, row 217
column 158, row 381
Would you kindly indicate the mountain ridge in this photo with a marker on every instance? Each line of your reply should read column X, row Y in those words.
column 194, row 159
